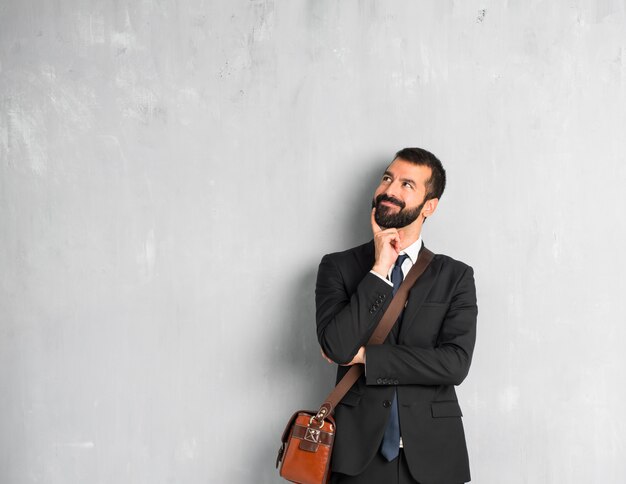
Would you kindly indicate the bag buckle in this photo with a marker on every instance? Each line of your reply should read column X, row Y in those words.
column 321, row 414
column 312, row 435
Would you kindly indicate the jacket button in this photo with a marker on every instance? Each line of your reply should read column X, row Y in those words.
column 386, row 404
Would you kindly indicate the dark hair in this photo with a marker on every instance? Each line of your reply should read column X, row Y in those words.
column 437, row 181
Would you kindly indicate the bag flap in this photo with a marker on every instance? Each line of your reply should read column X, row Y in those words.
column 285, row 436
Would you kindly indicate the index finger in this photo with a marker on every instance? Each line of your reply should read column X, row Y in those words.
column 375, row 227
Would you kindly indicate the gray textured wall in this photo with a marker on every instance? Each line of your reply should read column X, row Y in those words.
column 172, row 172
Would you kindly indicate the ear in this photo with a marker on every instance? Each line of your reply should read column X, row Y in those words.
column 429, row 207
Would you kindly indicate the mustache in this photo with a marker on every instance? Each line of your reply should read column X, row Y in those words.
column 386, row 198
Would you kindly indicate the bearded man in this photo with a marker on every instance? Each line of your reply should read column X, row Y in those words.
column 401, row 422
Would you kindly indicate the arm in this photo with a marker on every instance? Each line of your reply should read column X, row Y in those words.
column 448, row 362
column 345, row 321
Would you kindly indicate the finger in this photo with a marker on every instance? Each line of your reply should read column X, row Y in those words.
column 351, row 362
column 388, row 232
column 396, row 242
column 326, row 357
column 375, row 227
column 387, row 235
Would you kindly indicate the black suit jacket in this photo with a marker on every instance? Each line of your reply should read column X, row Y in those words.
column 429, row 355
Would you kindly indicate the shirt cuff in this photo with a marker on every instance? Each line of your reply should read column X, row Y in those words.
column 381, row 277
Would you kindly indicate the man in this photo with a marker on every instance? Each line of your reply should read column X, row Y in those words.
column 401, row 422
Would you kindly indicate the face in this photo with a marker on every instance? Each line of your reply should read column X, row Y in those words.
column 399, row 199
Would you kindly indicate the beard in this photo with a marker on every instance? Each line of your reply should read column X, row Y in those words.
column 386, row 218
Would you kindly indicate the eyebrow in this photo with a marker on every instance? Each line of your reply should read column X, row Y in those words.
column 388, row 173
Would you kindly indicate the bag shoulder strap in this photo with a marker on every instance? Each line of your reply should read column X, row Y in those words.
column 380, row 333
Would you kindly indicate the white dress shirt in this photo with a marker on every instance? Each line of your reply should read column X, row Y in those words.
column 412, row 251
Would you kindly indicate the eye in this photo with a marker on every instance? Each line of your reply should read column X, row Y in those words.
column 407, row 185
column 386, row 178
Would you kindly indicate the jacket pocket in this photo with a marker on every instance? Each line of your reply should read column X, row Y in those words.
column 448, row 408
column 351, row 399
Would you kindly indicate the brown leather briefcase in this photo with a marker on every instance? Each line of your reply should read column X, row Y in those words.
column 307, row 447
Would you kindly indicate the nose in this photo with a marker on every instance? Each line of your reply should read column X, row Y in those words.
column 393, row 190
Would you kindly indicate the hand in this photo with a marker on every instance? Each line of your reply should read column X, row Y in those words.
column 326, row 357
column 387, row 245
column 358, row 358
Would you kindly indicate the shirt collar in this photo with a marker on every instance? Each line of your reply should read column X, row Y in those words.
column 413, row 250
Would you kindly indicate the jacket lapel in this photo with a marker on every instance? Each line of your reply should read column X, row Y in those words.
column 418, row 294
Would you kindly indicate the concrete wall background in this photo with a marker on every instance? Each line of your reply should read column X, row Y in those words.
column 172, row 172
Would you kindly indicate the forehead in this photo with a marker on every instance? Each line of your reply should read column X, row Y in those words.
column 400, row 168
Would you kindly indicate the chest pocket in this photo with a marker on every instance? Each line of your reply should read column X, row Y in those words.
column 422, row 324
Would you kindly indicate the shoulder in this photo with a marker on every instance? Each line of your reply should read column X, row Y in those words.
column 358, row 252
column 356, row 260
column 453, row 266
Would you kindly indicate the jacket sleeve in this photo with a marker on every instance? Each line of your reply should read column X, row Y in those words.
column 346, row 319
column 447, row 363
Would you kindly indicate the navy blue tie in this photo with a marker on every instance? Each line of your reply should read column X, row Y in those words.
column 390, row 447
